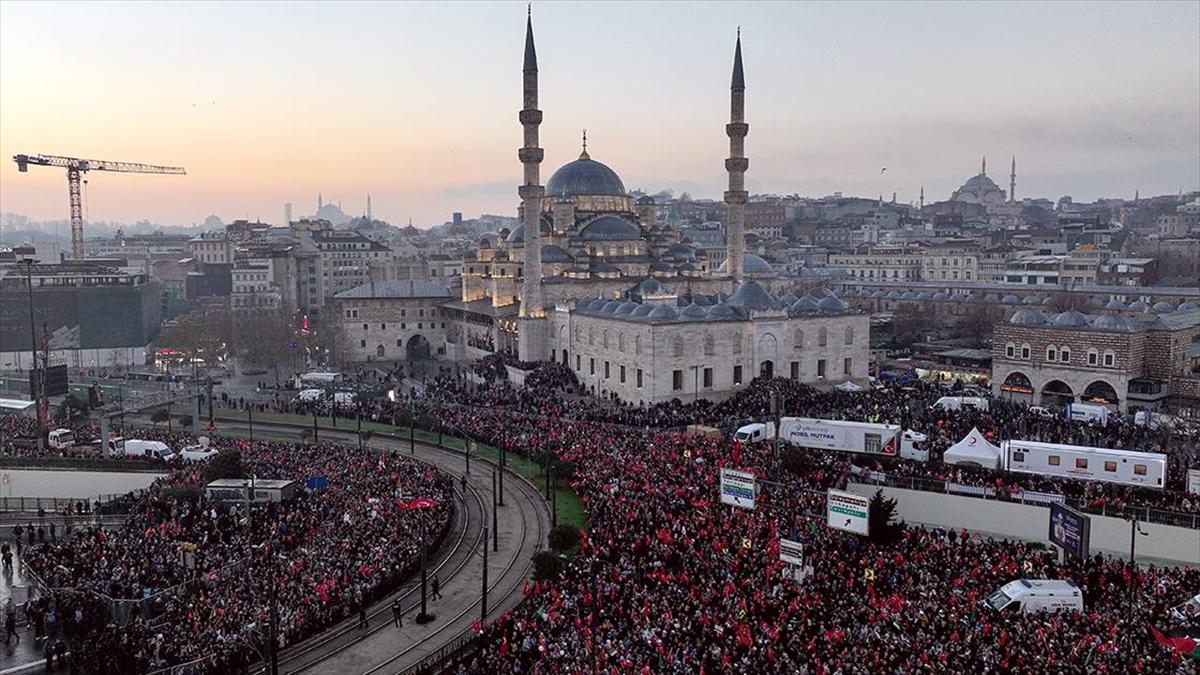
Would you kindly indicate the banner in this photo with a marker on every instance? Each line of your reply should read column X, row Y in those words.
column 737, row 488
column 848, row 511
column 1193, row 481
column 791, row 552
column 1070, row 530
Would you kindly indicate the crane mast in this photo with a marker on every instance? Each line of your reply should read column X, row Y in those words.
column 76, row 167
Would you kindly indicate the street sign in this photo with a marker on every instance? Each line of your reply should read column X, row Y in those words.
column 848, row 511
column 791, row 552
column 1070, row 530
column 737, row 488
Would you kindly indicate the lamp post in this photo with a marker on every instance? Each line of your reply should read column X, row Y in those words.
column 35, row 373
column 495, row 516
column 424, row 617
column 483, row 612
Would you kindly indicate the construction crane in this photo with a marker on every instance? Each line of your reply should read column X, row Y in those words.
column 75, row 169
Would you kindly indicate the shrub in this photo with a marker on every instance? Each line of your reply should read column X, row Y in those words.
column 564, row 538
column 547, row 565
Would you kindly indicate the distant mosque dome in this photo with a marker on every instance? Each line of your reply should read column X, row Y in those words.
column 751, row 264
column 979, row 189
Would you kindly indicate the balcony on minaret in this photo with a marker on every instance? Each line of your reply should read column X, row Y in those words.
column 530, row 155
column 736, row 196
column 737, row 129
column 737, row 164
column 532, row 192
column 530, row 116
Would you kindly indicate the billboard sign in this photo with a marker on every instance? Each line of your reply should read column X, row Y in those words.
column 791, row 552
column 56, row 380
column 1193, row 481
column 1070, row 530
column 848, row 511
column 737, row 488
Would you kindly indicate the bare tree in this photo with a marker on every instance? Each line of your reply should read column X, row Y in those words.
column 263, row 337
column 910, row 321
column 978, row 321
column 203, row 335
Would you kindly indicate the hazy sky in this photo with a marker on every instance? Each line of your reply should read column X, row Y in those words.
column 417, row 103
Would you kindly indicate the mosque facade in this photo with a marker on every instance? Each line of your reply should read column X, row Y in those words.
column 590, row 280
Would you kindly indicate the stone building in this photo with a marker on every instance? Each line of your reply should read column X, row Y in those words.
column 393, row 320
column 653, row 346
column 1149, row 361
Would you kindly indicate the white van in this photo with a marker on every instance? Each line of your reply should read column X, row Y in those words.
column 752, row 433
column 961, row 403
column 132, row 447
column 1087, row 412
column 1036, row 595
column 61, row 439
column 310, row 395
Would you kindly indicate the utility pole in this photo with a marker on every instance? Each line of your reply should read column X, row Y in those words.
column 35, row 378
column 358, row 405
column 483, row 613
column 250, row 417
column 776, row 412
column 314, row 425
column 554, row 503
column 272, row 621
column 495, row 512
column 424, row 617
column 502, row 454
column 467, row 451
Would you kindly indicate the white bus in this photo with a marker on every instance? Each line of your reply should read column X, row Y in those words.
column 863, row 437
column 319, row 380
column 1143, row 469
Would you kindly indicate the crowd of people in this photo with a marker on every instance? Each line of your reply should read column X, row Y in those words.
column 668, row 579
column 184, row 576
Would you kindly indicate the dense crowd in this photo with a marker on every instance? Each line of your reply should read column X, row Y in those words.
column 190, row 574
column 669, row 580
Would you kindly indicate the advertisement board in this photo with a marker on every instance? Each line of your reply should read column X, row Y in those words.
column 1070, row 530
column 848, row 511
column 1193, row 481
column 737, row 488
column 791, row 552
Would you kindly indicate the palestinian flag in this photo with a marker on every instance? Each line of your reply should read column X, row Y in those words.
column 1183, row 644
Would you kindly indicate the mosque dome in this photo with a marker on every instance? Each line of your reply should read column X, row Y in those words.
column 1010, row 300
column 626, row 307
column 1028, row 317
column 1164, row 307
column 663, row 313
column 555, row 254
column 1114, row 322
column 610, row 307
column 643, row 310
column 1070, row 319
column 751, row 264
column 609, row 228
column 1137, row 306
column 694, row 312
column 1031, row 300
column 722, row 310
column 1115, row 305
column 584, row 177
column 831, row 305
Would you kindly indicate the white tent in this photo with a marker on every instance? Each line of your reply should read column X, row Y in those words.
column 974, row 450
column 848, row 386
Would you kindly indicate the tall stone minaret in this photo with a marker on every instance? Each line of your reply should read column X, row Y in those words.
column 1012, row 182
column 983, row 167
column 736, row 196
column 369, row 206
column 532, row 330
column 922, row 196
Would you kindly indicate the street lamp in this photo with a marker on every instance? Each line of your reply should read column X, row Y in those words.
column 35, row 373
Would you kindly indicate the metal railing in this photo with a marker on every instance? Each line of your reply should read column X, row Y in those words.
column 1142, row 513
column 53, row 506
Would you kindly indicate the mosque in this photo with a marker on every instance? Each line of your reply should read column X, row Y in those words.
column 591, row 280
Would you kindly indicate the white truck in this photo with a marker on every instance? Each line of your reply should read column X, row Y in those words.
column 132, row 447
column 1036, row 595
column 61, row 439
column 864, row 437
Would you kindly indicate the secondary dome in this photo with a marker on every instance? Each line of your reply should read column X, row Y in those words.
column 1028, row 317
column 584, row 176
column 751, row 264
column 609, row 228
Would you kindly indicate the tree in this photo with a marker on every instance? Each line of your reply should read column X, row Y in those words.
column 227, row 464
column 978, row 321
column 563, row 538
column 327, row 336
column 910, row 321
column 881, row 520
column 202, row 335
column 159, row 416
column 547, row 565
column 72, row 407
column 262, row 338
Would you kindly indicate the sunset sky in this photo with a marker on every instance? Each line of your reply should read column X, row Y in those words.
column 417, row 103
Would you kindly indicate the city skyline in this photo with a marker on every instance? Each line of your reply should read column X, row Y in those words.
column 266, row 115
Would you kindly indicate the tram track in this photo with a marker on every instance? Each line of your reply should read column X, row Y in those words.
column 317, row 653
